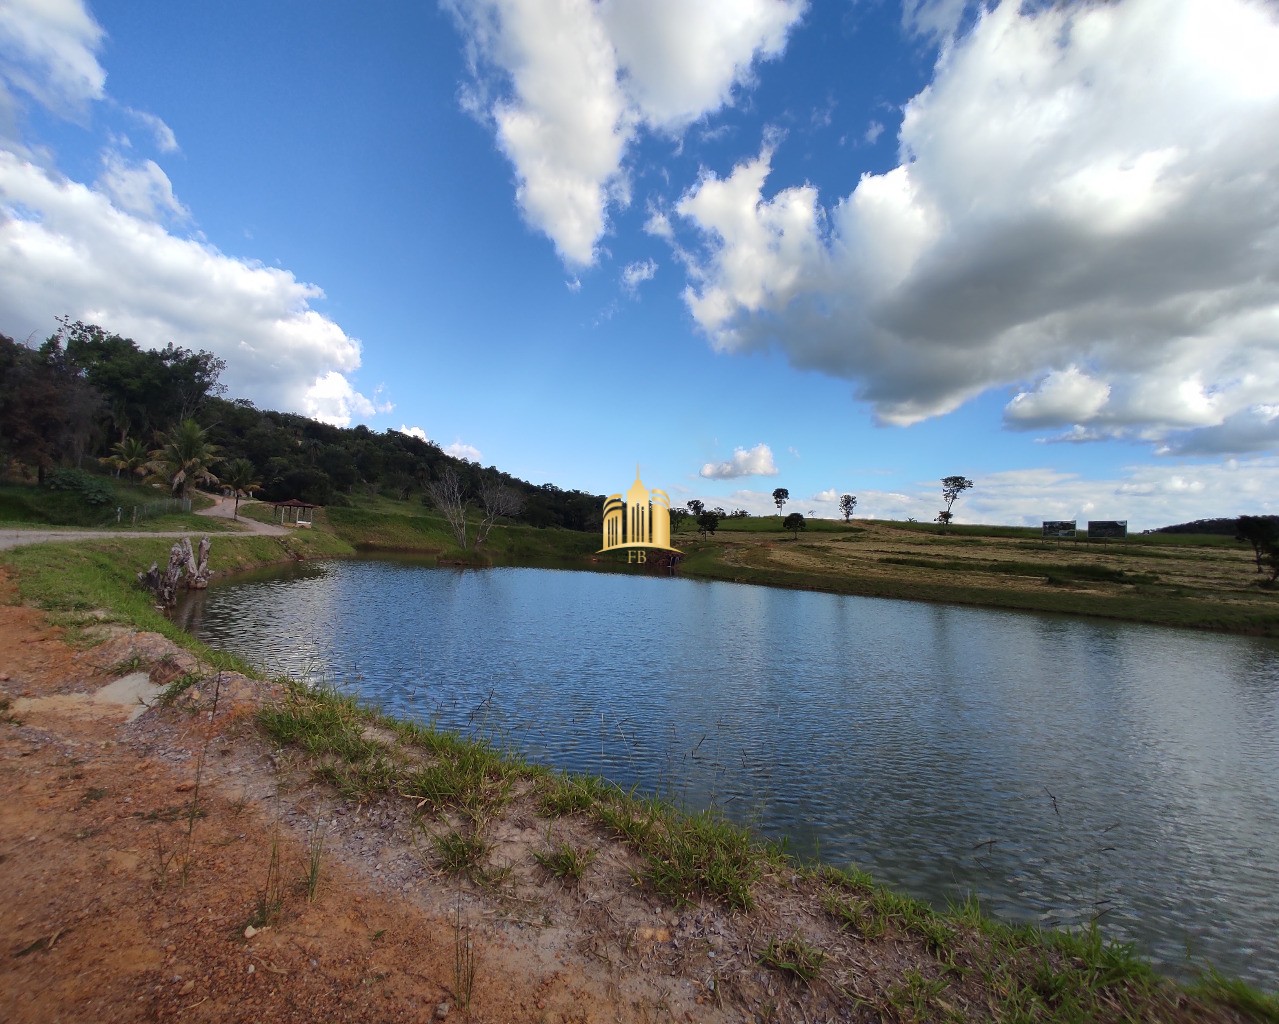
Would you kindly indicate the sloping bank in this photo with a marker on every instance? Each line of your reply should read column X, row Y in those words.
column 660, row 914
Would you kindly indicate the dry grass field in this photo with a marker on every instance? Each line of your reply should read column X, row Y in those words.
column 1205, row 582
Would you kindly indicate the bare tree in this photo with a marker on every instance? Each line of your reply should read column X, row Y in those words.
column 446, row 495
column 498, row 500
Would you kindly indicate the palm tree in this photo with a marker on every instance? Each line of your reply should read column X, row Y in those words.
column 184, row 458
column 238, row 476
column 129, row 455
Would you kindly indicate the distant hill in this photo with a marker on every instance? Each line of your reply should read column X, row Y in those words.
column 1222, row 526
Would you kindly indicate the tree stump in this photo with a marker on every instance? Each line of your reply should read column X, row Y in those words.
column 182, row 561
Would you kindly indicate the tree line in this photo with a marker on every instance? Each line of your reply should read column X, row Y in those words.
column 87, row 398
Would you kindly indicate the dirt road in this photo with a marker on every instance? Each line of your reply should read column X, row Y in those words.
column 223, row 509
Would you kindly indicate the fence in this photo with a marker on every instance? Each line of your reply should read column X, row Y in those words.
column 152, row 509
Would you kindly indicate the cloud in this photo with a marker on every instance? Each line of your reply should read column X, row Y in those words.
column 567, row 84
column 140, row 188
column 417, row 432
column 464, row 451
column 683, row 60
column 1058, row 215
column 161, row 133
column 659, row 226
column 936, row 20
column 1147, row 496
column 1255, row 429
column 1063, row 396
column 48, row 50
column 637, row 273
column 757, row 461
column 332, row 399
column 65, row 248
column 873, row 132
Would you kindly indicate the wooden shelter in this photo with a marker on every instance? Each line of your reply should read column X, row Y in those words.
column 296, row 513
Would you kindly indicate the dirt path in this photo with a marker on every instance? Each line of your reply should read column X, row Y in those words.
column 225, row 508
column 222, row 509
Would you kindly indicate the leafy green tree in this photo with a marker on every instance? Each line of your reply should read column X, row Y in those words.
column 238, row 477
column 183, row 460
column 795, row 522
column 145, row 389
column 129, row 456
column 695, row 507
column 707, row 522
column 1262, row 532
column 678, row 515
column 951, row 488
column 780, row 497
column 847, row 502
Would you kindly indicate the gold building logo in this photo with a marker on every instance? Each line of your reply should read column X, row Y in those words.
column 642, row 521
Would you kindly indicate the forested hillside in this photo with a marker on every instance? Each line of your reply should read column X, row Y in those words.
column 89, row 399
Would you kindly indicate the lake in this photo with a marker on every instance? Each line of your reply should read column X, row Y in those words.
column 1061, row 769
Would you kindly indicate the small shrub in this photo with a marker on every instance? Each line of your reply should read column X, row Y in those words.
column 91, row 491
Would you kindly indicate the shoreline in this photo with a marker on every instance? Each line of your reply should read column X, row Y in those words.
column 367, row 772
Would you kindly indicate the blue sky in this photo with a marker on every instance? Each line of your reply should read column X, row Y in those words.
column 838, row 246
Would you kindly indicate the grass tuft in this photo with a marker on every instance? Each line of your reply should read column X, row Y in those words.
column 461, row 852
column 793, row 956
column 1238, row 995
column 565, row 861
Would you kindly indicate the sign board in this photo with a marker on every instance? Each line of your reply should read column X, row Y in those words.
column 1059, row 527
column 1103, row 529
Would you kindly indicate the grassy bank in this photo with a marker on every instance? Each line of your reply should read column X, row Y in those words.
column 820, row 933
column 84, row 583
column 1173, row 580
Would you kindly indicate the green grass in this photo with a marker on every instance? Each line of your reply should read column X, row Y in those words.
column 565, row 861
column 378, row 523
column 84, row 583
column 461, row 852
column 794, row 957
column 1252, row 1003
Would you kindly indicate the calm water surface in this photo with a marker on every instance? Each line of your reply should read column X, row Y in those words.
column 1058, row 768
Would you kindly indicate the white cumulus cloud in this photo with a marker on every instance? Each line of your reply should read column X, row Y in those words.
column 567, row 84
column 459, row 450
column 757, row 461
column 1087, row 198
column 65, row 248
column 1063, row 396
column 332, row 399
